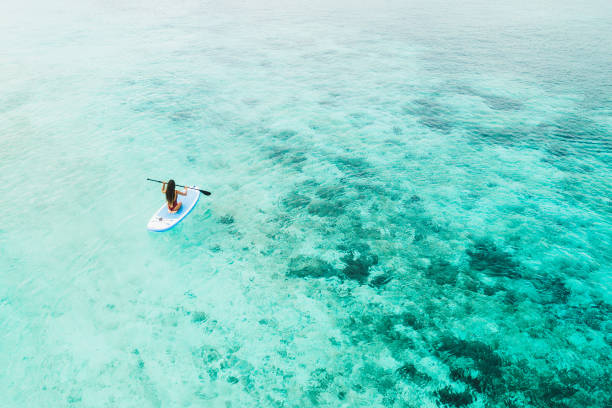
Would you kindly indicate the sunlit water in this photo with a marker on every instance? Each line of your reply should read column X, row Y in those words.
column 411, row 204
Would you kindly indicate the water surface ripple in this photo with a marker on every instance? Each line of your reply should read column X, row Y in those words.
column 411, row 204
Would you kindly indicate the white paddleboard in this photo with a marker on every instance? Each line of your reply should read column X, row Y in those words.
column 163, row 220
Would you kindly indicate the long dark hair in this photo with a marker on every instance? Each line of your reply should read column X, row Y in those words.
column 170, row 191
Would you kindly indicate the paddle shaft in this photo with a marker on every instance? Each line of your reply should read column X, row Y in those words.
column 178, row 185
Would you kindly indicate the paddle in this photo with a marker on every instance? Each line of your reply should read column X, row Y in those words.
column 178, row 185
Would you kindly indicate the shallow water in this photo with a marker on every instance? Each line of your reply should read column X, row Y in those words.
column 411, row 204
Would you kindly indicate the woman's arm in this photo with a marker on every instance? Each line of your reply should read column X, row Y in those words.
column 184, row 193
column 164, row 187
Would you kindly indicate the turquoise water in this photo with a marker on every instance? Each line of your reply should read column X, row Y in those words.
column 411, row 204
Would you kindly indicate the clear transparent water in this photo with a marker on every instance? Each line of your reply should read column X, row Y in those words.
column 411, row 204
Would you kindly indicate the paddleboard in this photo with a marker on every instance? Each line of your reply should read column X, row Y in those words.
column 163, row 220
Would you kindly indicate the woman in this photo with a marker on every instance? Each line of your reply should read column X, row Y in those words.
column 171, row 194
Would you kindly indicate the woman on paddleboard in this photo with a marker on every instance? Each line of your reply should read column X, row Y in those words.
column 171, row 195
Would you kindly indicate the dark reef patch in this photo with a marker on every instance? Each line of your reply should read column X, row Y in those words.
column 449, row 397
column 575, row 131
column 357, row 267
column 376, row 189
column 198, row 317
column 409, row 372
column 357, row 229
column 326, row 209
column 552, row 392
column 330, row 192
column 296, row 159
column 486, row 257
column 379, row 378
column 552, row 288
column 511, row 298
column 380, row 280
column 305, row 266
column 442, row 272
column 354, row 167
column 495, row 102
column 410, row 320
column 295, row 201
column 319, row 382
column 504, row 137
column 468, row 377
column 226, row 219
column 288, row 157
column 430, row 114
column 437, row 123
column 278, row 153
column 503, row 103
column 371, row 323
column 597, row 316
column 484, row 359
column 558, row 389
